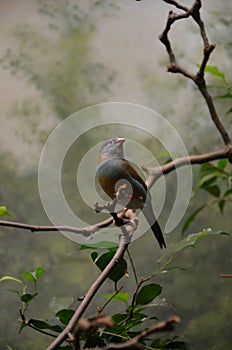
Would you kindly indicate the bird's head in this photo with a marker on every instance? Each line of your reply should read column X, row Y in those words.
column 112, row 148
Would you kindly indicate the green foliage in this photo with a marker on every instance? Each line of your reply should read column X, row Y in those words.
column 214, row 178
column 4, row 211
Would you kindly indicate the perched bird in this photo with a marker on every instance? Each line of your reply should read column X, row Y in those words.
column 114, row 171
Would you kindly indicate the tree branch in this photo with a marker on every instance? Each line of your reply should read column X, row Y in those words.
column 198, row 78
column 85, row 231
column 153, row 174
column 134, row 343
column 125, row 238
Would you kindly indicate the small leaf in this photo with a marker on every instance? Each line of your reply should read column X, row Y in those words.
column 214, row 190
column 39, row 272
column 148, row 293
column 206, row 181
column 100, row 245
column 222, row 163
column 65, row 315
column 44, row 325
column 29, row 276
column 94, row 256
column 227, row 192
column 4, row 211
column 22, row 326
column 207, row 168
column 221, row 205
column 214, row 71
column 28, row 297
column 118, row 271
column 227, row 95
column 191, row 240
column 191, row 218
column 9, row 278
column 121, row 296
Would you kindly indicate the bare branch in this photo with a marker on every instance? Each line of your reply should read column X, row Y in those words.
column 85, row 231
column 155, row 173
column 208, row 48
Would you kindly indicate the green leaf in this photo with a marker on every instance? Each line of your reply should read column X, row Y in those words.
column 22, row 326
column 222, row 163
column 148, row 293
column 94, row 256
column 191, row 240
column 44, row 325
column 30, row 276
column 4, row 211
column 206, row 181
column 227, row 192
column 65, row 315
column 214, row 71
column 28, row 297
column 121, row 296
column 9, row 278
column 221, row 205
column 100, row 245
column 118, row 271
column 33, row 276
column 207, row 168
column 191, row 218
column 39, row 272
column 214, row 190
column 227, row 95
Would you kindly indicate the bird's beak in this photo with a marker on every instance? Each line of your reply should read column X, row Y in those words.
column 120, row 140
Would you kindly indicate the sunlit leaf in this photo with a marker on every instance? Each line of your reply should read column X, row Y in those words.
column 148, row 293
column 4, row 211
column 39, row 272
column 222, row 163
column 214, row 71
column 30, row 276
column 121, row 296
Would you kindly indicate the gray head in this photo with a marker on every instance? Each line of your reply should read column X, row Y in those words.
column 112, row 148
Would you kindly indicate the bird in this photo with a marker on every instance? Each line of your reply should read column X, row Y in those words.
column 114, row 170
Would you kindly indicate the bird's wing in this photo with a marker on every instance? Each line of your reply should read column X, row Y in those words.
column 130, row 170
